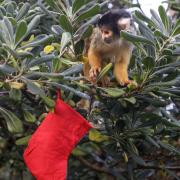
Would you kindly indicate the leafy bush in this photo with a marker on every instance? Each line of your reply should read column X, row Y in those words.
column 136, row 132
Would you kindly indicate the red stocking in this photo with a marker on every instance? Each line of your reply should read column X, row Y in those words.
column 50, row 146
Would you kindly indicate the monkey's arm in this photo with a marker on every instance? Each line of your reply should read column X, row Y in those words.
column 95, row 63
column 121, row 67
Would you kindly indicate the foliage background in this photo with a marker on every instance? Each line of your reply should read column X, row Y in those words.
column 136, row 134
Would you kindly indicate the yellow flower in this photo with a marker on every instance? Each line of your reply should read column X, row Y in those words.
column 16, row 85
column 96, row 136
column 48, row 49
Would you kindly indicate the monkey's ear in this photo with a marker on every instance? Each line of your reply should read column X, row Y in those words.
column 124, row 24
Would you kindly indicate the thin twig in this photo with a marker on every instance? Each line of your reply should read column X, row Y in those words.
column 175, row 168
column 96, row 167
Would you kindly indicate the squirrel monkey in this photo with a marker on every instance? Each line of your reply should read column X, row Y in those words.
column 105, row 42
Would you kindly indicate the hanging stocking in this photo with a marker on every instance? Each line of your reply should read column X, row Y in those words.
column 50, row 146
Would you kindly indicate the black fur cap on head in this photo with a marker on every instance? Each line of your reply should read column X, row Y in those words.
column 111, row 18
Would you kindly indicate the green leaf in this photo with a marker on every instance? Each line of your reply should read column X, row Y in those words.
column 23, row 11
column 23, row 141
column 164, row 71
column 20, row 31
column 73, row 70
column 104, row 71
column 152, row 141
column 29, row 117
column 144, row 18
column 132, row 100
column 168, row 52
column 144, row 29
column 176, row 31
column 156, row 19
column 149, row 63
column 39, row 40
column 88, row 22
column 13, row 21
column 1, row 14
column 15, row 94
column 2, row 35
column 169, row 116
column 67, row 88
column 96, row 136
column 164, row 17
column 169, row 147
column 68, row 4
column 57, row 65
column 177, row 23
column 10, row 9
column 138, row 159
column 172, row 174
column 43, row 74
column 50, row 3
column 48, row 101
column 173, row 91
column 170, row 123
column 87, row 32
column 159, row 33
column 34, row 88
column 134, row 38
column 88, row 14
column 68, row 62
column 6, row 69
column 9, row 29
column 43, row 59
column 78, row 151
column 113, row 92
column 33, row 24
column 14, row 124
column 174, row 82
column 77, row 4
column 57, row 29
column 9, row 48
column 82, row 86
column 65, row 23
column 65, row 40
column 3, row 10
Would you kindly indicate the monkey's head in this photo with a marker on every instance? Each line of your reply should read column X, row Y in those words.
column 111, row 23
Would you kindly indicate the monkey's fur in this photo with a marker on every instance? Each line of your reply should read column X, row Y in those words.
column 105, row 43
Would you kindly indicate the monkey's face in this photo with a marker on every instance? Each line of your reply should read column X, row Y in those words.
column 111, row 23
column 107, row 34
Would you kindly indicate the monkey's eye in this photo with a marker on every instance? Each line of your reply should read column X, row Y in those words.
column 106, row 32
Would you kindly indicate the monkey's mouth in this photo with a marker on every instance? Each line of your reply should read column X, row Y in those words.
column 108, row 41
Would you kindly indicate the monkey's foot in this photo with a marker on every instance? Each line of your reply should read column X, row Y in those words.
column 126, row 82
column 94, row 72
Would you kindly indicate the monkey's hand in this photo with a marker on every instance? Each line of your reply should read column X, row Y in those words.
column 94, row 71
column 127, row 82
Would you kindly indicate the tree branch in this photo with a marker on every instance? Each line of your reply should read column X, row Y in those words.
column 98, row 168
column 175, row 168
